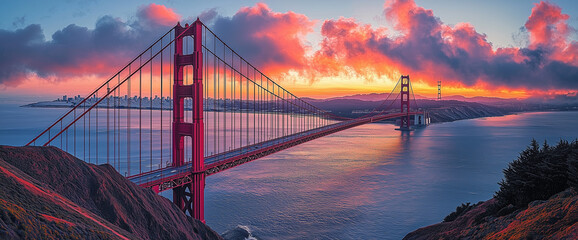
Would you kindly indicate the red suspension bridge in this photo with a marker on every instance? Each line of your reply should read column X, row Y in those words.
column 188, row 107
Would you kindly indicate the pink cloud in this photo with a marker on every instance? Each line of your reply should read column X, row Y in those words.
column 547, row 25
column 272, row 41
column 549, row 30
column 158, row 14
column 425, row 47
column 459, row 55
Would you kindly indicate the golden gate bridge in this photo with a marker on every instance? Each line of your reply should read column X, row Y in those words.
column 224, row 112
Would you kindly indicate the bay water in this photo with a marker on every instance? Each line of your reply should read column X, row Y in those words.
column 368, row 182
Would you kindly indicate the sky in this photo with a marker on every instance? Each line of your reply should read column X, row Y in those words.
column 509, row 49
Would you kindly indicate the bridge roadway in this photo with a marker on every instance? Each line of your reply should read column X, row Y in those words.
column 171, row 177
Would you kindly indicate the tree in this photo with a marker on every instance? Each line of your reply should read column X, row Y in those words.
column 539, row 173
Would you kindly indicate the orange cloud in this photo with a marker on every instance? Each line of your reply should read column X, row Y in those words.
column 347, row 46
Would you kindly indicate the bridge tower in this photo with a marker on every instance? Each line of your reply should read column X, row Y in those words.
column 189, row 197
column 405, row 120
column 439, row 90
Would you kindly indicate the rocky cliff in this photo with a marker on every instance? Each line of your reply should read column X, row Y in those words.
column 49, row 194
column 460, row 111
column 555, row 218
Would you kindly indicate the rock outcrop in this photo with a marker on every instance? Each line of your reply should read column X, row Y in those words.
column 47, row 193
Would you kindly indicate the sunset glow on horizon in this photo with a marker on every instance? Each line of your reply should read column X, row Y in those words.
column 350, row 57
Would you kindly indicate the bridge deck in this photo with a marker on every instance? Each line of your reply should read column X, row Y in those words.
column 171, row 177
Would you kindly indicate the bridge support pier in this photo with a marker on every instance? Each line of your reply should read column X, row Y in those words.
column 189, row 197
column 421, row 119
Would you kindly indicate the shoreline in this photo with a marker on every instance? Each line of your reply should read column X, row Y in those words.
column 472, row 113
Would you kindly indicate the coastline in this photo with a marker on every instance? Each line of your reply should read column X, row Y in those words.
column 456, row 112
column 536, row 199
column 511, row 113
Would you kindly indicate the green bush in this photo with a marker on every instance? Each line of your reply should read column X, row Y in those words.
column 539, row 173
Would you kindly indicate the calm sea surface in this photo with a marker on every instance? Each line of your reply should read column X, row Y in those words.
column 369, row 182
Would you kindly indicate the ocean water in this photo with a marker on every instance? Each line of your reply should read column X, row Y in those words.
column 372, row 182
column 369, row 182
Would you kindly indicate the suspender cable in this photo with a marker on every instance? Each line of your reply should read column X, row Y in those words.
column 151, row 114
column 128, row 99
column 84, row 134
column 161, row 105
column 215, row 150
column 107, row 124
column 233, row 112
column 97, row 110
column 224, row 104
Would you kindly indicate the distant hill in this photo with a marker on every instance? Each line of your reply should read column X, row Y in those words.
column 363, row 97
column 484, row 100
column 568, row 101
column 383, row 96
column 440, row 111
column 450, row 108
column 47, row 193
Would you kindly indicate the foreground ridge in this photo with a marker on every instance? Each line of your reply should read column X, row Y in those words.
column 49, row 194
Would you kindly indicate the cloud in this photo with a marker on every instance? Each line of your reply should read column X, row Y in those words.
column 430, row 50
column 19, row 21
column 348, row 46
column 76, row 51
column 16, row 47
column 422, row 46
column 208, row 16
column 158, row 15
column 272, row 41
column 547, row 25
column 548, row 29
